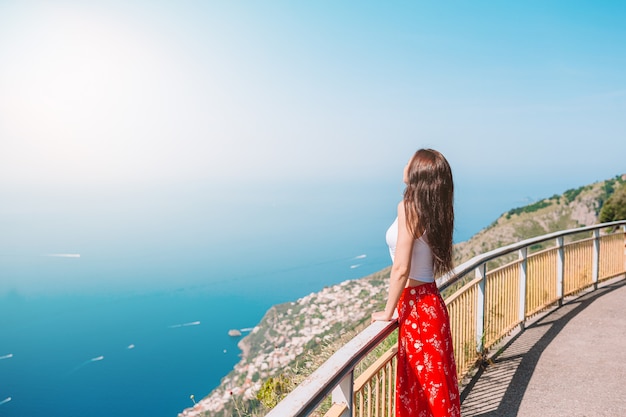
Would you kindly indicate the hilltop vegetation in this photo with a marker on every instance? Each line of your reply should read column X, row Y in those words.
column 574, row 208
column 294, row 338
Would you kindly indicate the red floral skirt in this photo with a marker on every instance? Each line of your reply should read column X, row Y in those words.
column 426, row 384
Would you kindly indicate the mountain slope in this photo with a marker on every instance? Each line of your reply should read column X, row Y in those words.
column 574, row 208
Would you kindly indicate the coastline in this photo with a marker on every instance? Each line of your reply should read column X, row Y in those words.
column 286, row 334
column 244, row 347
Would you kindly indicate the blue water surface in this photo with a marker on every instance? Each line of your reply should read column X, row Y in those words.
column 118, row 355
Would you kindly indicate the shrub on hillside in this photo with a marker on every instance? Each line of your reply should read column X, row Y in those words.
column 571, row 194
column 615, row 207
column 529, row 208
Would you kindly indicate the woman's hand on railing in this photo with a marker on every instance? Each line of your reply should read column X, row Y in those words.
column 383, row 316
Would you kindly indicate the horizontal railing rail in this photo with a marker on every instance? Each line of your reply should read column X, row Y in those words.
column 487, row 306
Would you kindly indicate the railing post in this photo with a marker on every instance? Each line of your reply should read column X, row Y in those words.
column 595, row 263
column 523, row 268
column 624, row 230
column 481, row 272
column 560, row 268
column 344, row 392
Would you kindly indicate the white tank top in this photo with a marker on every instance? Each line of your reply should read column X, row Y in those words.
column 421, row 258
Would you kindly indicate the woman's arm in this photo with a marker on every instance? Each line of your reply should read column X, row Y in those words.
column 400, row 268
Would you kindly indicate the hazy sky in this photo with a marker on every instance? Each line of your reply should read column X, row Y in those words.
column 149, row 91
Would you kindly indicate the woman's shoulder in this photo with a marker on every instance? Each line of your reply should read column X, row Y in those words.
column 401, row 209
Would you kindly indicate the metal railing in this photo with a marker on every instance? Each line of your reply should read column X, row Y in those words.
column 491, row 295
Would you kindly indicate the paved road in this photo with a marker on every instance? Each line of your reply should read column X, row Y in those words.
column 570, row 362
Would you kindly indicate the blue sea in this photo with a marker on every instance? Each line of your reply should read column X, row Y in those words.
column 117, row 301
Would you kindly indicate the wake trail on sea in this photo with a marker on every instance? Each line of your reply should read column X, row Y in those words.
column 176, row 326
column 6, row 400
column 96, row 359
column 10, row 355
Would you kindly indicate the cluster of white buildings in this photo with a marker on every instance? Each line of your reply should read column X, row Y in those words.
column 285, row 332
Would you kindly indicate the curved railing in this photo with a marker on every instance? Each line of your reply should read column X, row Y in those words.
column 488, row 297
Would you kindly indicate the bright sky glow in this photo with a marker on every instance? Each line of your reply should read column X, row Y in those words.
column 111, row 92
column 141, row 141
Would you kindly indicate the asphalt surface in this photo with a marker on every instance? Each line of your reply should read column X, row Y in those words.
column 568, row 362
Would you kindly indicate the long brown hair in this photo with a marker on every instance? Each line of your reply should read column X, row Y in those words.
column 428, row 203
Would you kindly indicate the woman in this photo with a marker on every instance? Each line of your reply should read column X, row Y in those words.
column 420, row 243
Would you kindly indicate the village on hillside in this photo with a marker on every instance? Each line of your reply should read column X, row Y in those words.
column 286, row 331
